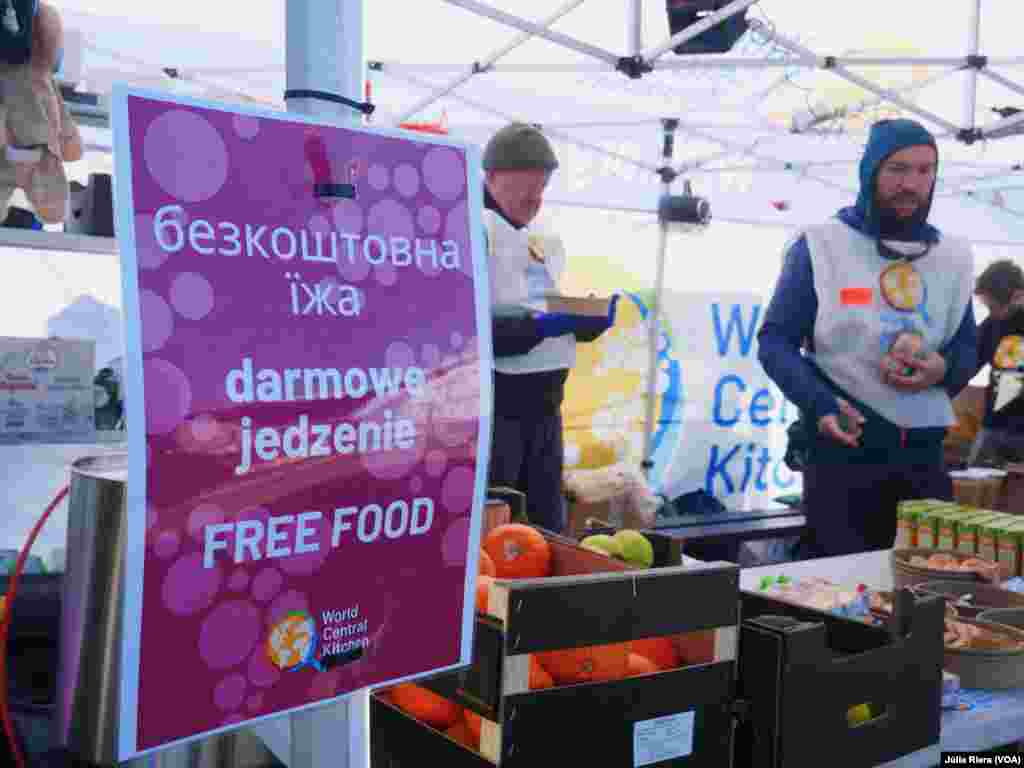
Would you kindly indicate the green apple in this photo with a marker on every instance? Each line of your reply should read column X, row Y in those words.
column 636, row 548
column 604, row 544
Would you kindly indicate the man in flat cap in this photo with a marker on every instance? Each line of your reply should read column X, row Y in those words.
column 534, row 349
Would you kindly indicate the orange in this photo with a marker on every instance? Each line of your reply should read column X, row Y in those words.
column 696, row 647
column 462, row 733
column 486, row 564
column 660, row 650
column 483, row 587
column 426, row 705
column 473, row 723
column 518, row 551
column 539, row 677
column 587, row 665
column 640, row 665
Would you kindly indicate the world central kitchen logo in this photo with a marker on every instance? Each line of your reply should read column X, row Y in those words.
column 295, row 642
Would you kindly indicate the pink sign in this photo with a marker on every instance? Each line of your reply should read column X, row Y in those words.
column 308, row 386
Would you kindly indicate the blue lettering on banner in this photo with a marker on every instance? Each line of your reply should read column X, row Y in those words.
column 762, row 404
column 745, row 333
column 745, row 467
column 720, row 420
column 718, row 466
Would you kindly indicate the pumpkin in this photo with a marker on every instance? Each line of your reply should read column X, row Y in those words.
column 483, row 591
column 518, row 552
column 587, row 665
column 640, row 665
column 462, row 733
column 660, row 650
column 539, row 677
column 486, row 564
column 426, row 705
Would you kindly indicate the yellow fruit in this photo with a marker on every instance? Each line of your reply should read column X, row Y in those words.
column 858, row 714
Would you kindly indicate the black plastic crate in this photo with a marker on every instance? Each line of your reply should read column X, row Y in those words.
column 801, row 671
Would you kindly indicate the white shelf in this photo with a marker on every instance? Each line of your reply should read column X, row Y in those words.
column 46, row 240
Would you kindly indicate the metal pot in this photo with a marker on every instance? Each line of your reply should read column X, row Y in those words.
column 89, row 677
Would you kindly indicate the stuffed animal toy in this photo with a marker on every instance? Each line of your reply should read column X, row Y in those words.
column 37, row 134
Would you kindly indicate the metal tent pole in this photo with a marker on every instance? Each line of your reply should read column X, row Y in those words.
column 699, row 28
column 487, row 62
column 995, row 77
column 841, row 71
column 535, row 29
column 635, row 21
column 654, row 314
column 324, row 52
column 971, row 83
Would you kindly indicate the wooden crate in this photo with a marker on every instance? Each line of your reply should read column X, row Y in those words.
column 593, row 600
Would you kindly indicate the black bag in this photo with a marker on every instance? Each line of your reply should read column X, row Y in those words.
column 16, row 19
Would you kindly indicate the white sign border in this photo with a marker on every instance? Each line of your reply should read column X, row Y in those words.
column 134, row 562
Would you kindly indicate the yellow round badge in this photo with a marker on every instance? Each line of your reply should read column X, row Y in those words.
column 902, row 287
column 1010, row 354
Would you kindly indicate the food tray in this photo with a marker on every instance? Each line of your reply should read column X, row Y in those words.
column 987, row 669
column 906, row 575
column 984, row 596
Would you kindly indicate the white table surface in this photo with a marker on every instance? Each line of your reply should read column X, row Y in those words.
column 997, row 717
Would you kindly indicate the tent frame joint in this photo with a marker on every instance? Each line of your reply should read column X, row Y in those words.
column 634, row 67
column 977, row 62
column 970, row 135
column 667, row 174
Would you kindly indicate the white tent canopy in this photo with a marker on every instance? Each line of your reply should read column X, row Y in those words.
column 738, row 111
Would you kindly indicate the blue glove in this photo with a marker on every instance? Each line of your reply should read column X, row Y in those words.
column 589, row 328
column 553, row 324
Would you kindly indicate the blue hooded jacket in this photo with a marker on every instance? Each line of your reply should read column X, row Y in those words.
column 793, row 310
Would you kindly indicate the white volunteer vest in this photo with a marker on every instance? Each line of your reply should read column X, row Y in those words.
column 520, row 280
column 852, row 336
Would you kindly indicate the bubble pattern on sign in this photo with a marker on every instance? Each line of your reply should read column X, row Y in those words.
column 228, row 634
column 243, row 184
column 189, row 587
column 199, row 169
column 453, row 545
column 159, row 321
column 192, row 295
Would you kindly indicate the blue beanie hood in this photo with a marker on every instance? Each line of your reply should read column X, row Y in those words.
column 886, row 138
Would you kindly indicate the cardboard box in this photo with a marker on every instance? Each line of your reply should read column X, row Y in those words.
column 590, row 306
column 1009, row 546
column 967, row 530
column 988, row 536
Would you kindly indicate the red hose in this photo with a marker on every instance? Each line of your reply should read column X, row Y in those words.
column 5, row 625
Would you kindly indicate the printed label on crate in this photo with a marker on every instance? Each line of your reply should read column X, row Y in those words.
column 46, row 390
column 663, row 738
column 309, row 355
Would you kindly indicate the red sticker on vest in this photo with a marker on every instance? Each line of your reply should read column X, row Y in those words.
column 855, row 297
